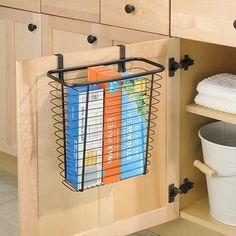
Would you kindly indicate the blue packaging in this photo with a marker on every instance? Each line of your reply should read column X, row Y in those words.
column 75, row 116
column 133, row 149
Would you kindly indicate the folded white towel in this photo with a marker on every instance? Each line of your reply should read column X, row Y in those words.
column 220, row 86
column 216, row 104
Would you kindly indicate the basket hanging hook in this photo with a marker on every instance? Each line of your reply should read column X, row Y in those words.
column 122, row 65
column 60, row 65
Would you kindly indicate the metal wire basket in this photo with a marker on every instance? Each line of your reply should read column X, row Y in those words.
column 104, row 129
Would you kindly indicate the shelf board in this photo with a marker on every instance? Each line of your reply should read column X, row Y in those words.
column 198, row 213
column 214, row 114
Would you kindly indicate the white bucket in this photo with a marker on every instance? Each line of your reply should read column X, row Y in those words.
column 219, row 152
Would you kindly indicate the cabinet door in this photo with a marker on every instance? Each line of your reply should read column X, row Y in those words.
column 30, row 5
column 77, row 9
column 17, row 43
column 61, row 35
column 116, row 209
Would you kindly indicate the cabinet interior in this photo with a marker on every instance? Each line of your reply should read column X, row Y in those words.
column 210, row 59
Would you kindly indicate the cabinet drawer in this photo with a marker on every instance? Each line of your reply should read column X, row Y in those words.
column 76, row 9
column 31, row 5
column 61, row 35
column 210, row 21
column 152, row 15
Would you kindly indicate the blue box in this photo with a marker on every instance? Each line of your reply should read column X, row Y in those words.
column 75, row 116
column 133, row 149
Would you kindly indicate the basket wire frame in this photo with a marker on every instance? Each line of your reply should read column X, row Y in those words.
column 149, row 80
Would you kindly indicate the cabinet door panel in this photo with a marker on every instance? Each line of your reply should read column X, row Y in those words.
column 77, row 9
column 116, row 209
column 17, row 43
column 30, row 5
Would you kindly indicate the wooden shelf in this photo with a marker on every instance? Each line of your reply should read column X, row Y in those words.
column 214, row 114
column 199, row 213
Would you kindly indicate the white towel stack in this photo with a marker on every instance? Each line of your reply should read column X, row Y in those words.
column 218, row 92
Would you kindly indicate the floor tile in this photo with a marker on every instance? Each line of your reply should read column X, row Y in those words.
column 2, row 173
column 8, row 188
column 9, row 212
column 8, row 229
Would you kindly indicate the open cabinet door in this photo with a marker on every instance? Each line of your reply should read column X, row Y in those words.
column 46, row 206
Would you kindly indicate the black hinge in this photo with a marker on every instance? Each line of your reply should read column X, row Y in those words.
column 184, row 64
column 183, row 189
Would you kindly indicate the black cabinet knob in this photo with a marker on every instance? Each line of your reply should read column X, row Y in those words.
column 32, row 27
column 129, row 9
column 92, row 39
column 235, row 24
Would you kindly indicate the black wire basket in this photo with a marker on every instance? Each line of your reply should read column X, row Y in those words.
column 104, row 128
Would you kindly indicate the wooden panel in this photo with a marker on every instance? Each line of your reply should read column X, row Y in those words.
column 151, row 16
column 147, row 188
column 209, row 59
column 214, row 114
column 27, row 151
column 134, row 224
column 77, row 9
column 198, row 213
column 70, row 42
column 57, row 206
column 62, row 35
column 17, row 43
column 30, row 5
column 3, row 90
column 209, row 21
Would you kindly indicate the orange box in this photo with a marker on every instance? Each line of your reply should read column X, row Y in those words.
column 93, row 72
column 112, row 125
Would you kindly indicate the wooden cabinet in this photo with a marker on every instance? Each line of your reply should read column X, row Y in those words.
column 133, row 204
column 77, row 9
column 62, row 35
column 17, row 43
column 151, row 16
column 30, row 5
column 209, row 21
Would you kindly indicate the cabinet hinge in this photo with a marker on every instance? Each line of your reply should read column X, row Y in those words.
column 183, row 189
column 184, row 63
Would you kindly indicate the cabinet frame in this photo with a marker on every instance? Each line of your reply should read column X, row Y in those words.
column 14, row 32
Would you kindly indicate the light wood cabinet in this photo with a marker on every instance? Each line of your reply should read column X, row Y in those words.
column 150, row 16
column 30, row 5
column 17, row 43
column 209, row 21
column 77, row 9
column 134, row 204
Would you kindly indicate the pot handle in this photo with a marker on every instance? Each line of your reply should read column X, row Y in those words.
column 204, row 168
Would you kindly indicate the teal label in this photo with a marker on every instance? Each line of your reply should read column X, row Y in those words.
column 113, row 87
